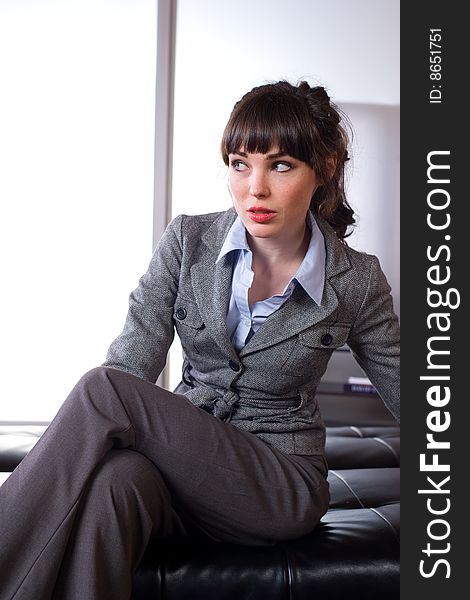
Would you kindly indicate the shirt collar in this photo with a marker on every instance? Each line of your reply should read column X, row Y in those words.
column 311, row 272
column 235, row 240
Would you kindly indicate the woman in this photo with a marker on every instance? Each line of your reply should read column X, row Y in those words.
column 260, row 296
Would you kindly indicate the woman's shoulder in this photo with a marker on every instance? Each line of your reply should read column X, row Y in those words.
column 196, row 226
column 340, row 255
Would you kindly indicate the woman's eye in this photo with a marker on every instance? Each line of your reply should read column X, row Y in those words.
column 281, row 167
column 238, row 165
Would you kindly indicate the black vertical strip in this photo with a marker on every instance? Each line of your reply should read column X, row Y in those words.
column 434, row 267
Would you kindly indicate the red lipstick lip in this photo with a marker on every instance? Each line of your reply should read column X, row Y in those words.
column 260, row 217
column 260, row 208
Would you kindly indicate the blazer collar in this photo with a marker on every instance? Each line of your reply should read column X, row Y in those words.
column 212, row 287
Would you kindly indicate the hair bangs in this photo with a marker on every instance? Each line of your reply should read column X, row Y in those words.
column 266, row 123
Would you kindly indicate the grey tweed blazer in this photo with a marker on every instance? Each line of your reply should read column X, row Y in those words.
column 268, row 388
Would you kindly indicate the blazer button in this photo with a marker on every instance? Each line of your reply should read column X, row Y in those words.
column 233, row 365
column 326, row 339
column 181, row 314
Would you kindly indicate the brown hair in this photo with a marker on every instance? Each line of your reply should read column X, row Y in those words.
column 302, row 122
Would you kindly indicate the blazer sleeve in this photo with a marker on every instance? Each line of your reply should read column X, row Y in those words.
column 375, row 339
column 142, row 347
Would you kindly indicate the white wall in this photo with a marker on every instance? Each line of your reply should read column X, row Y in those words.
column 224, row 48
column 374, row 186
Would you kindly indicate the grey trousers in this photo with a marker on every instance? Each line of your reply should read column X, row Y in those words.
column 125, row 460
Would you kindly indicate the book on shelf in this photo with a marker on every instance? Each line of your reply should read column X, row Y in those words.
column 359, row 385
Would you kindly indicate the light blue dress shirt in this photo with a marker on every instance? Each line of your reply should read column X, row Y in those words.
column 242, row 320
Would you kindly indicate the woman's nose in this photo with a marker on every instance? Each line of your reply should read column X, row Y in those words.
column 259, row 184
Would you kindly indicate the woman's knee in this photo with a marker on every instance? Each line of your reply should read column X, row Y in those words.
column 101, row 388
column 96, row 377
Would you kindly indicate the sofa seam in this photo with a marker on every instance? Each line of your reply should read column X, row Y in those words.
column 356, row 430
column 374, row 510
column 348, row 486
column 289, row 578
column 384, row 443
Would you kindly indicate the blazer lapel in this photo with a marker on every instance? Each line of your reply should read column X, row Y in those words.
column 300, row 311
column 295, row 315
column 212, row 287
column 212, row 282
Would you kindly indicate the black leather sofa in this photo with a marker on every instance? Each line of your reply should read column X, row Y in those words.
column 353, row 553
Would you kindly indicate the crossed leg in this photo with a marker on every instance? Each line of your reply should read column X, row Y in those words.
column 234, row 486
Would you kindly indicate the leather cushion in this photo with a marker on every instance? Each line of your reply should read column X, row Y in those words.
column 364, row 488
column 352, row 553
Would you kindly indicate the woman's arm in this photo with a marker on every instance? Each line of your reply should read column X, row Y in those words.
column 142, row 347
column 375, row 339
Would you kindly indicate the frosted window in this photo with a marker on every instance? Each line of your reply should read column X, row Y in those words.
column 77, row 104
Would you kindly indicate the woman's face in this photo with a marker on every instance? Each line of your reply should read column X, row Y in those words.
column 271, row 192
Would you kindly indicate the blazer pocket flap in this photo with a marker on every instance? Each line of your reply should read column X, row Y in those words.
column 186, row 313
column 330, row 337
